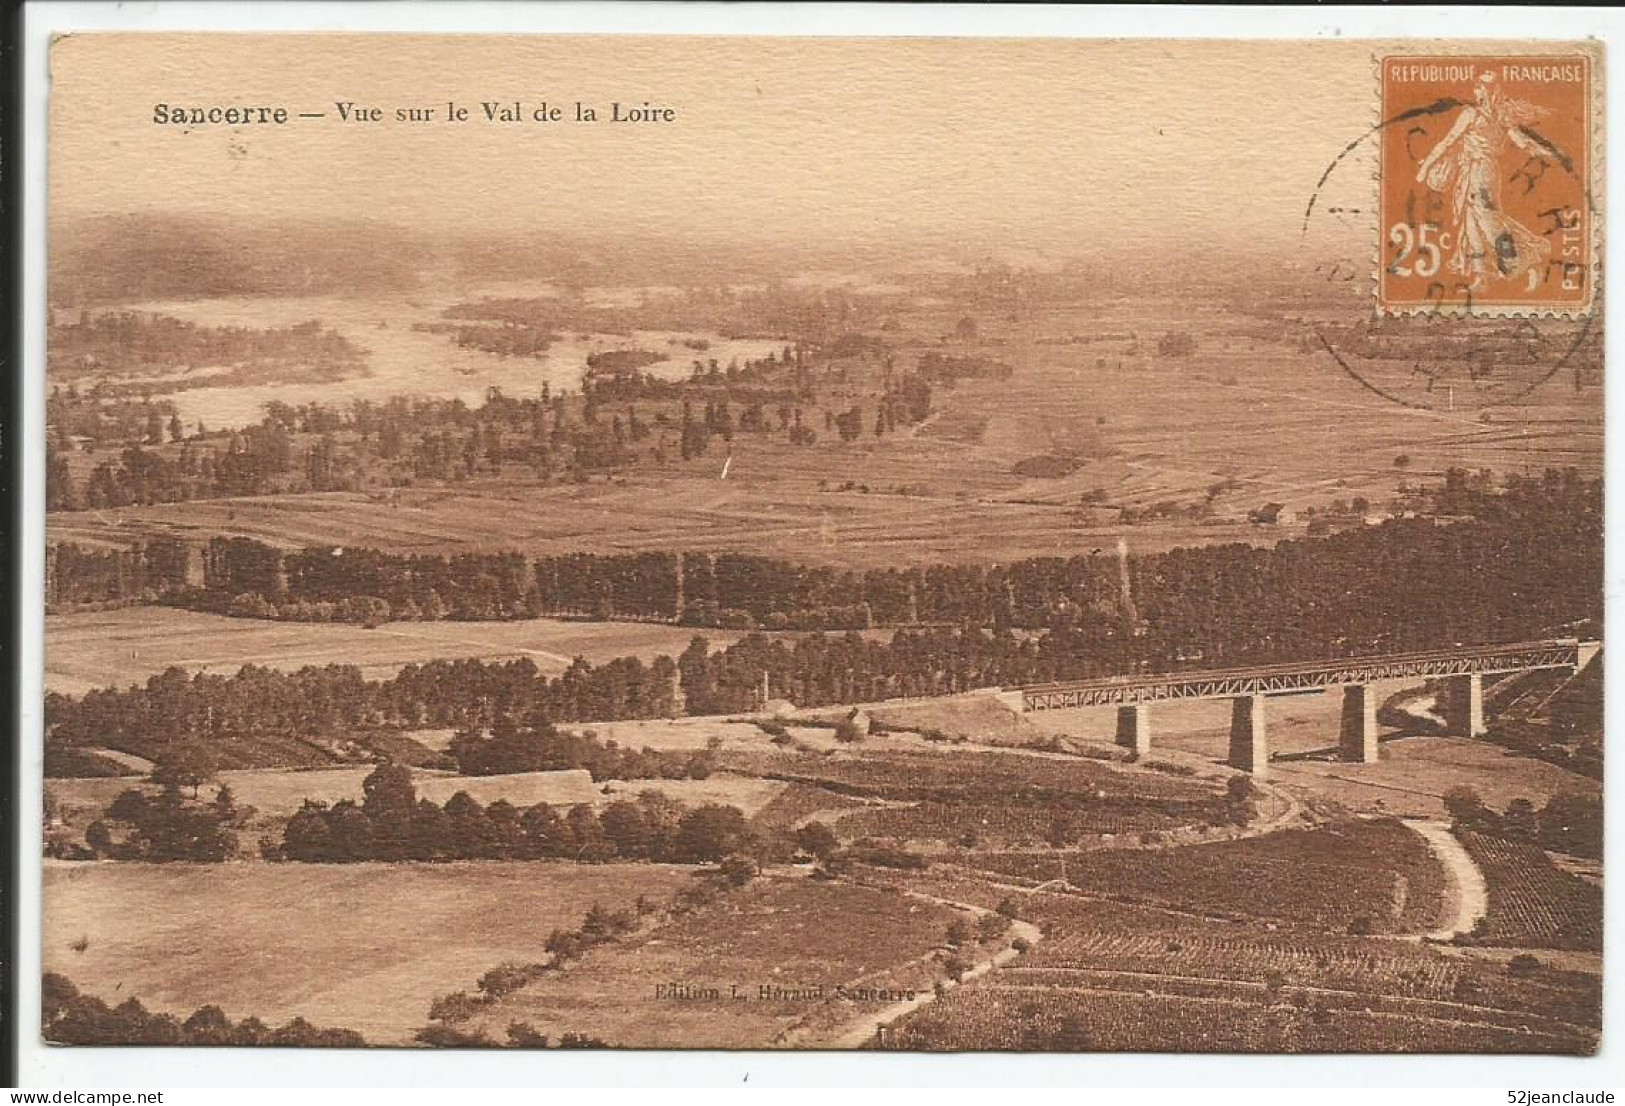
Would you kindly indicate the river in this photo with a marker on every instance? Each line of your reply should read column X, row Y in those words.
column 403, row 361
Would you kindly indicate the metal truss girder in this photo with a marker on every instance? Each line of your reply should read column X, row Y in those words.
column 1312, row 675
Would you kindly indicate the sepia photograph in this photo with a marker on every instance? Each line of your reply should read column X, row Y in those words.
column 917, row 545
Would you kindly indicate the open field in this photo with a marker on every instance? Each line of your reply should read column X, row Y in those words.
column 1261, row 405
column 1415, row 772
column 1248, row 941
column 114, row 648
column 279, row 794
column 676, row 734
column 779, row 514
column 977, row 717
column 376, row 943
column 936, row 795
column 748, row 794
column 792, row 933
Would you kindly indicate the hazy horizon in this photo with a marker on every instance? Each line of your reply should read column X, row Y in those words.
column 974, row 143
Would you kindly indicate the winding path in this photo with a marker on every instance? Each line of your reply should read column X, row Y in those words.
column 1466, row 881
column 857, row 1034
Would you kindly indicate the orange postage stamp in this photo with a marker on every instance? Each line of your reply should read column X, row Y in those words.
column 1486, row 190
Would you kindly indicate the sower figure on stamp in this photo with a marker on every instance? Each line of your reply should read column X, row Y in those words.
column 1463, row 167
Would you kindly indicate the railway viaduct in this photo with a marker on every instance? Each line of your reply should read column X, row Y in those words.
column 1249, row 689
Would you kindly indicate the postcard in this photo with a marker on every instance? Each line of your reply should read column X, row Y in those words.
column 910, row 544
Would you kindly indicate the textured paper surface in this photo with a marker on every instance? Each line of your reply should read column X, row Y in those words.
column 747, row 543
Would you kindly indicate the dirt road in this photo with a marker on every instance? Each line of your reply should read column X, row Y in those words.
column 1471, row 897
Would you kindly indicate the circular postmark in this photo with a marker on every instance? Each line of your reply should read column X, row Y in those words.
column 1449, row 254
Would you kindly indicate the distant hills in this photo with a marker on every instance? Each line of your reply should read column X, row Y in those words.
column 142, row 256
column 152, row 255
column 155, row 257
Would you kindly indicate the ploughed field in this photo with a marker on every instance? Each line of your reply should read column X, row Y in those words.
column 1376, row 876
column 1290, row 939
column 1115, row 976
column 1532, row 902
column 1214, row 1018
column 357, row 946
column 370, row 946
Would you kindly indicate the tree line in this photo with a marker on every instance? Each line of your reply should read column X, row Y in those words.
column 1525, row 563
column 166, row 827
column 509, row 746
column 72, row 1018
column 256, row 460
column 261, row 717
column 98, row 415
column 391, row 823
column 115, row 342
column 1510, row 561
column 554, row 436
column 1568, row 823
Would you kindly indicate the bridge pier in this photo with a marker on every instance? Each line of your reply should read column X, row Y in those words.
column 1357, row 741
column 1134, row 727
column 1458, row 673
column 1462, row 705
column 1248, row 748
